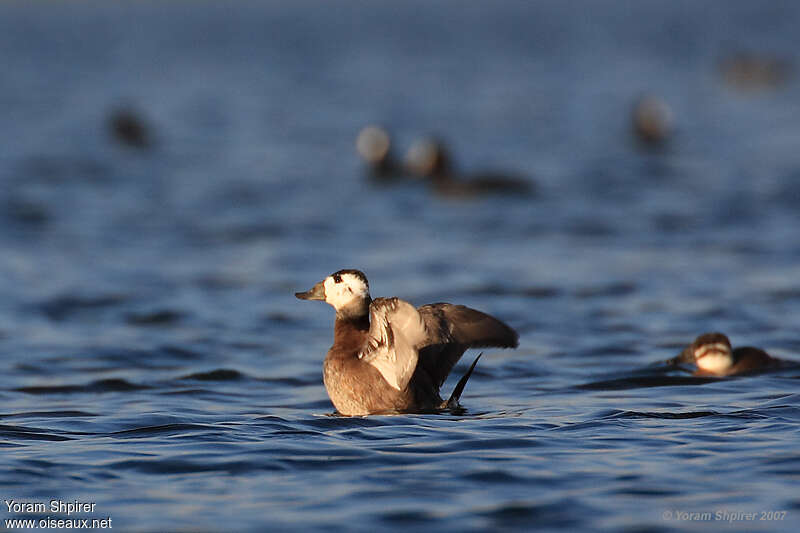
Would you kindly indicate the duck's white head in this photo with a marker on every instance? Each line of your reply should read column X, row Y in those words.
column 428, row 158
column 346, row 290
column 373, row 143
column 712, row 352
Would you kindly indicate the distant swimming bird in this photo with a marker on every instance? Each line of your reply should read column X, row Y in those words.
column 430, row 160
column 388, row 356
column 751, row 71
column 652, row 120
column 712, row 354
column 128, row 127
column 374, row 145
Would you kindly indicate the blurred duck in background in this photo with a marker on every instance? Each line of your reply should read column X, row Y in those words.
column 429, row 160
column 128, row 127
column 374, row 145
column 713, row 355
column 651, row 121
column 749, row 71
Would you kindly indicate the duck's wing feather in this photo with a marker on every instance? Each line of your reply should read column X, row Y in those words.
column 451, row 329
column 448, row 323
column 395, row 333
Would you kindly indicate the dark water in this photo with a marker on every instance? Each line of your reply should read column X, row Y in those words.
column 155, row 362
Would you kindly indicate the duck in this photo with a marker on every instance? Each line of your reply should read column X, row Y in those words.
column 651, row 120
column 430, row 160
column 391, row 357
column 374, row 145
column 129, row 128
column 753, row 71
column 713, row 355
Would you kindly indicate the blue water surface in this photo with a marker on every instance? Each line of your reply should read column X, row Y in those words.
column 153, row 358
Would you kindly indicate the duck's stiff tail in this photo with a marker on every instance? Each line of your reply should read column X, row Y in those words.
column 453, row 401
column 686, row 356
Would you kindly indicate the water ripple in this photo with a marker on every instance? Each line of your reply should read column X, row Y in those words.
column 220, row 374
column 645, row 381
column 166, row 429
column 25, row 433
column 102, row 385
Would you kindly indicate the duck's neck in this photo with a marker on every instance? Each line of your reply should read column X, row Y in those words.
column 355, row 311
column 350, row 333
column 442, row 169
column 385, row 166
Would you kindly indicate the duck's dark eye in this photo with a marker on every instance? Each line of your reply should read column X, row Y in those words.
column 337, row 278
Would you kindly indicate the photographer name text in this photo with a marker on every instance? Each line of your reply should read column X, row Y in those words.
column 59, row 507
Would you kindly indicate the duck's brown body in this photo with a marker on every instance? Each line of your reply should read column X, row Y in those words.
column 430, row 160
column 354, row 386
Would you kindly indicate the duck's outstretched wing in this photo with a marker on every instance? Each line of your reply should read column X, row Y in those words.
column 395, row 333
column 451, row 329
